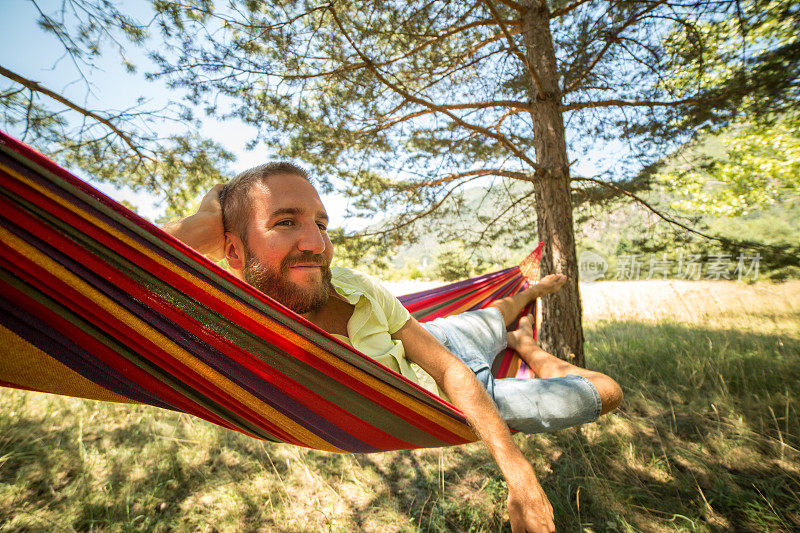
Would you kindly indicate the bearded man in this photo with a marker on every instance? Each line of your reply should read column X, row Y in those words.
column 270, row 225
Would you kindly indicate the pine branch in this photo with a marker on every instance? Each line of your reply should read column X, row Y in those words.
column 521, row 106
column 642, row 103
column 477, row 173
column 38, row 88
column 514, row 5
column 644, row 203
column 610, row 40
column 502, row 139
column 566, row 9
column 421, row 214
column 722, row 240
column 502, row 213
column 355, row 66
column 534, row 76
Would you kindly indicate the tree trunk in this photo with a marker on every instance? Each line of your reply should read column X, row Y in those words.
column 561, row 329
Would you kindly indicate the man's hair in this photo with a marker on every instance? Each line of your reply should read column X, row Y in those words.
column 237, row 206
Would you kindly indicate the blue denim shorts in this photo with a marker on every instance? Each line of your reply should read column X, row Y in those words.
column 527, row 405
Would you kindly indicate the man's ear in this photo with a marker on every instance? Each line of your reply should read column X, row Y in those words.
column 234, row 251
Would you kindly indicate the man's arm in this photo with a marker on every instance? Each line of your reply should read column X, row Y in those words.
column 203, row 230
column 528, row 506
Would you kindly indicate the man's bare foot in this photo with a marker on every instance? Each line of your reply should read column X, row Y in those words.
column 523, row 335
column 550, row 284
column 522, row 341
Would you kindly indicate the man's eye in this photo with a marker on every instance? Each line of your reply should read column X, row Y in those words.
column 322, row 227
column 285, row 223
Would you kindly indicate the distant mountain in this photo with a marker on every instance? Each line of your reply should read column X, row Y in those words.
column 614, row 231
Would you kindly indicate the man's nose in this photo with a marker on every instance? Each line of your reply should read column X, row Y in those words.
column 311, row 240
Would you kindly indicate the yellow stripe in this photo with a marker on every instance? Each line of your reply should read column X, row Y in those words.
column 165, row 344
column 423, row 409
column 27, row 366
column 467, row 304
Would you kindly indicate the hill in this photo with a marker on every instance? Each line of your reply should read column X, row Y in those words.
column 633, row 242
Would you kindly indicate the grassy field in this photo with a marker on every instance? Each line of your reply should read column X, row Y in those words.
column 706, row 440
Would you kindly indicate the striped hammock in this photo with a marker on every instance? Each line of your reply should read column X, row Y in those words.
column 96, row 302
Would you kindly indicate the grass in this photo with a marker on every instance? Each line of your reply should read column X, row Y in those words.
column 706, row 440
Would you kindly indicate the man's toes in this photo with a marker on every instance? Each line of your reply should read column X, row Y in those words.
column 526, row 323
column 552, row 282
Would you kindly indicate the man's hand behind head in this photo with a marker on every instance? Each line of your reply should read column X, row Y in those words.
column 203, row 230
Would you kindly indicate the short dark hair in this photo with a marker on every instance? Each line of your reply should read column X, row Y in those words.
column 234, row 198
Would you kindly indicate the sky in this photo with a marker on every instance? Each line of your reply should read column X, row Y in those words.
column 37, row 55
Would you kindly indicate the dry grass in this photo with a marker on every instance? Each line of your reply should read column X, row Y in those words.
column 707, row 440
column 719, row 304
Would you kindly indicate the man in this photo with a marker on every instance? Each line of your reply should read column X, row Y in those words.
column 271, row 227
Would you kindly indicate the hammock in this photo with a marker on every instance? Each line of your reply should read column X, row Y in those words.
column 96, row 302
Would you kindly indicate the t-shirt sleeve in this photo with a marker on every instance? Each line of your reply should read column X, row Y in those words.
column 396, row 314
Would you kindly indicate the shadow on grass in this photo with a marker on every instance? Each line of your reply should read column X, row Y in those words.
column 706, row 440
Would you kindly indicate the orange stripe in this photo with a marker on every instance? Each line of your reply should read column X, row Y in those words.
column 28, row 367
column 164, row 344
column 430, row 413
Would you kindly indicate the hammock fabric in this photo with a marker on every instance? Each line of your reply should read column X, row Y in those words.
column 96, row 302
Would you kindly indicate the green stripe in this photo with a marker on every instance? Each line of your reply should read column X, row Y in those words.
column 132, row 357
column 327, row 387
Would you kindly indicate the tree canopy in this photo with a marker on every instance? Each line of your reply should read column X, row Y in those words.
column 400, row 105
column 126, row 147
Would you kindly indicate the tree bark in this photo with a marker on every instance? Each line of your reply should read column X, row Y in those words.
column 561, row 329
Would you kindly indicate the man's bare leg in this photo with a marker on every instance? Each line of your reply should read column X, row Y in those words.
column 511, row 306
column 546, row 365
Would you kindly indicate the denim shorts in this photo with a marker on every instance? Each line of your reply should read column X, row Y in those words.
column 527, row 405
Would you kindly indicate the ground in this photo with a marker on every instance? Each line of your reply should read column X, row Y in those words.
column 706, row 440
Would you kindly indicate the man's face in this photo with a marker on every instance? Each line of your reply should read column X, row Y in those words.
column 288, row 252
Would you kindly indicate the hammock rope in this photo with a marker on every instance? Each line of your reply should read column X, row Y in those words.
column 96, row 302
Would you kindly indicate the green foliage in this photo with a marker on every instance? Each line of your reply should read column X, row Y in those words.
column 453, row 262
column 177, row 169
column 747, row 62
column 759, row 167
column 120, row 147
column 366, row 253
column 404, row 104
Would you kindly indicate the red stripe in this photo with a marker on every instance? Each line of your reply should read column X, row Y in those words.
column 452, row 293
column 473, row 297
column 515, row 287
column 104, row 354
column 41, row 279
column 447, row 310
column 144, row 261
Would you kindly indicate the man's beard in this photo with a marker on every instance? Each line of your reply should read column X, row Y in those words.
column 276, row 284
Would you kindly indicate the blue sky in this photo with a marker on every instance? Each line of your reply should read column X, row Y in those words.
column 34, row 54
column 37, row 55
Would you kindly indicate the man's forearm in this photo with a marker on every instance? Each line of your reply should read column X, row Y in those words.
column 466, row 393
column 193, row 231
column 528, row 506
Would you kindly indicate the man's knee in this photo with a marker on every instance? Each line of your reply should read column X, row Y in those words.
column 609, row 390
column 504, row 308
